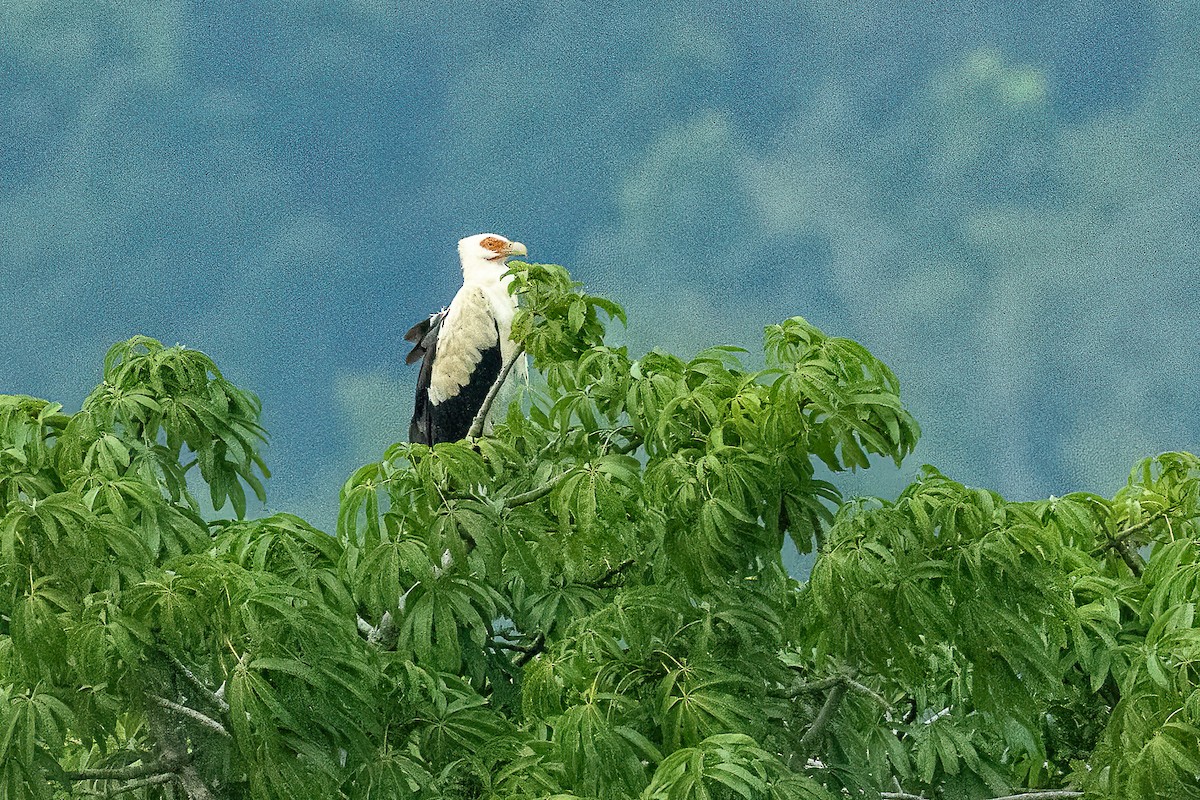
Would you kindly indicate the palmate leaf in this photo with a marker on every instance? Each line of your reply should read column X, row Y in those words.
column 171, row 395
column 556, row 323
column 28, row 430
column 600, row 756
column 695, row 702
column 438, row 611
column 851, row 399
column 457, row 724
column 389, row 775
column 732, row 763
column 291, row 549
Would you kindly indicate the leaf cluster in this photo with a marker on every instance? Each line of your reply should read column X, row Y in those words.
column 589, row 602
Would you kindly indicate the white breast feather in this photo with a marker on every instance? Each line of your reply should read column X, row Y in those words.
column 468, row 330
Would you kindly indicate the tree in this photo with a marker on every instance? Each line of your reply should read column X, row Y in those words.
column 588, row 603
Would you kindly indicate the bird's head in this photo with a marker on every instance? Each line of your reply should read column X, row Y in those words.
column 486, row 253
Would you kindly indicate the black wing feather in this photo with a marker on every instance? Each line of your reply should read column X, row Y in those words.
column 449, row 420
column 423, row 335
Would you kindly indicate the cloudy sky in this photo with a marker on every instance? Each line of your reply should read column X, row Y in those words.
column 997, row 198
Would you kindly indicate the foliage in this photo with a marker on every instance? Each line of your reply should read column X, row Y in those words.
column 588, row 603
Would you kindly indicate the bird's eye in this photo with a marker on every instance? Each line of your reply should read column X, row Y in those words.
column 493, row 243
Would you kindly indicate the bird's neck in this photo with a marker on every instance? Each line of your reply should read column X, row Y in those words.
column 485, row 274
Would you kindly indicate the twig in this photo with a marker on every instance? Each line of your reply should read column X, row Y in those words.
column 191, row 678
column 203, row 719
column 602, row 581
column 539, row 644
column 1146, row 523
column 1055, row 794
column 826, row 713
column 477, row 424
column 133, row 786
column 1132, row 558
column 537, row 493
column 163, row 767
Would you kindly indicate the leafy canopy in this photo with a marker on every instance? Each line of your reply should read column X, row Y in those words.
column 590, row 602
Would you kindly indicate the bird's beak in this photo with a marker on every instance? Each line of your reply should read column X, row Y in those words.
column 515, row 249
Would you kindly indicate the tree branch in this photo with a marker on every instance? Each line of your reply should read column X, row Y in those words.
column 203, row 719
column 602, row 581
column 198, row 684
column 1141, row 526
column 476, row 428
column 1129, row 554
column 828, row 683
column 1132, row 558
column 133, row 786
column 537, row 493
column 159, row 768
column 826, row 713
column 539, row 644
column 386, row 633
column 174, row 749
column 1054, row 794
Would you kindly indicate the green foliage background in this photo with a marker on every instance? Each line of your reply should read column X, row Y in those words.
column 589, row 603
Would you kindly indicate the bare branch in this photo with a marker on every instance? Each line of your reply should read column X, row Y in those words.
column 174, row 748
column 817, row 729
column 539, row 644
column 1054, row 794
column 158, row 768
column 1132, row 558
column 203, row 719
column 198, row 684
column 537, row 493
column 133, row 786
column 476, row 428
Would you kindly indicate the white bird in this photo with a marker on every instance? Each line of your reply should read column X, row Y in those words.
column 464, row 347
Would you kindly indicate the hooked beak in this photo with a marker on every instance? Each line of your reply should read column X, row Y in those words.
column 515, row 249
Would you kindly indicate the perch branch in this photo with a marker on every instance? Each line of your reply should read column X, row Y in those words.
column 476, row 428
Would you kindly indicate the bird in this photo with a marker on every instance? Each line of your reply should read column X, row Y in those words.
column 463, row 348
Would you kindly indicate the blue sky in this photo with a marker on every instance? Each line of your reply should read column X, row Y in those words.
column 999, row 199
